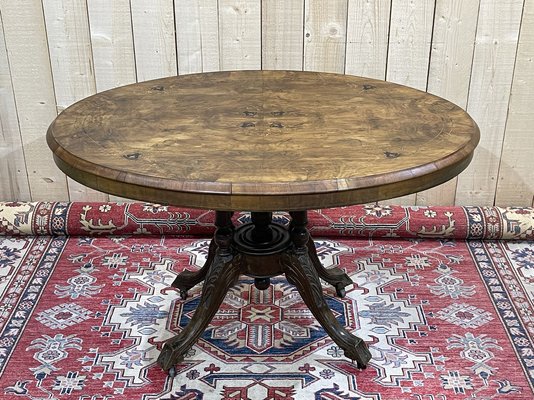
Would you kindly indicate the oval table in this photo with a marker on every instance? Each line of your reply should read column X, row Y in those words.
column 262, row 141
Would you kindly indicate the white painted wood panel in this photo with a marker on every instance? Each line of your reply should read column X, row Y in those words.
column 110, row 25
column 70, row 49
column 154, row 41
column 240, row 34
column 449, row 73
column 27, row 48
column 71, row 57
column 367, row 38
column 112, row 43
column 282, row 34
column 516, row 174
column 95, row 45
column 410, row 37
column 489, row 94
column 325, row 33
column 14, row 183
column 197, row 35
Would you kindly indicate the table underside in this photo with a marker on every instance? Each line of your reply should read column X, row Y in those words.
column 261, row 249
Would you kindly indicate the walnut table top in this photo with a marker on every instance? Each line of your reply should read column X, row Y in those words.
column 262, row 140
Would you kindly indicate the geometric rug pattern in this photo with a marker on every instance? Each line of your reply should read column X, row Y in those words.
column 442, row 295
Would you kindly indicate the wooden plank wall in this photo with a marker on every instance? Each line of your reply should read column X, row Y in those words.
column 477, row 53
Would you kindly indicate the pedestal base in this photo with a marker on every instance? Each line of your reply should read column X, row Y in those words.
column 261, row 250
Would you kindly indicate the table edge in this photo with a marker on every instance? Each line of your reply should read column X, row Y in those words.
column 266, row 202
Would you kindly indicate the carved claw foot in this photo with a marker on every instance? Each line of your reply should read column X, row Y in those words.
column 358, row 351
column 173, row 353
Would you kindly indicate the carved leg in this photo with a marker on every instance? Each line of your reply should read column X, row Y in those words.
column 222, row 274
column 187, row 279
column 299, row 268
column 334, row 276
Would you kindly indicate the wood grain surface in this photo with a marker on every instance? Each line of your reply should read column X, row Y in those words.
column 282, row 34
column 325, row 35
column 11, row 151
column 492, row 73
column 368, row 25
column 72, row 59
column 154, row 38
column 239, row 34
column 263, row 140
column 449, row 71
column 515, row 184
column 33, row 90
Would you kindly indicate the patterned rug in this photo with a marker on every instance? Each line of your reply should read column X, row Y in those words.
column 443, row 296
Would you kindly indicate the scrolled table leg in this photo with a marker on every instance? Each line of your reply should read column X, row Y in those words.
column 221, row 277
column 299, row 268
column 187, row 279
column 222, row 274
column 334, row 276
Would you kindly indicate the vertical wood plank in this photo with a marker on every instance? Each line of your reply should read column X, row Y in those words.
column 516, row 184
column 410, row 36
column 69, row 43
column 197, row 35
column 240, row 34
column 410, row 41
column 112, row 43
column 282, row 34
column 489, row 93
column 155, row 45
column 26, row 44
column 449, row 73
column 325, row 28
column 367, row 38
column 244, row 25
column 14, row 184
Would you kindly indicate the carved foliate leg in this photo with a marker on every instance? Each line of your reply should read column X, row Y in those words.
column 222, row 274
column 334, row 276
column 299, row 268
column 187, row 279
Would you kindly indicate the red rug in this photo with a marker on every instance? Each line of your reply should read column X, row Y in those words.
column 444, row 297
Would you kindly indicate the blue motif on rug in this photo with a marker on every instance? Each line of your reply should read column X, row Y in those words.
column 263, row 323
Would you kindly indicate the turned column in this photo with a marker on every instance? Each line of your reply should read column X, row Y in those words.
column 299, row 232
